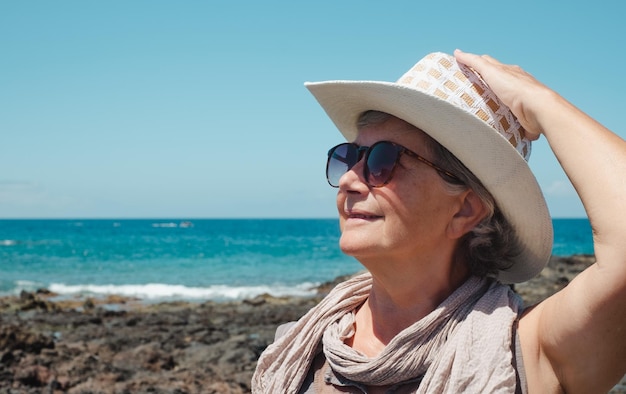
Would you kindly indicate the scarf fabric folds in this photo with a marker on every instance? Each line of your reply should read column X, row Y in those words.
column 464, row 345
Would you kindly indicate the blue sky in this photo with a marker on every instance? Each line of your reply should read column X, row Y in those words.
column 196, row 109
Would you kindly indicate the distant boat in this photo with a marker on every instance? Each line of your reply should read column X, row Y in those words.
column 166, row 225
column 184, row 224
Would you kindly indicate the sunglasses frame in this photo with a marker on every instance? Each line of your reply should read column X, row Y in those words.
column 363, row 152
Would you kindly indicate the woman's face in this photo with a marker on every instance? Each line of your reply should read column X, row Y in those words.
column 404, row 220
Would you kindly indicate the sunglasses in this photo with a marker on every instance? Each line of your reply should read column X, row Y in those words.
column 380, row 162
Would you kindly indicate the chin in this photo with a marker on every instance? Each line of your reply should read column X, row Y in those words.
column 353, row 246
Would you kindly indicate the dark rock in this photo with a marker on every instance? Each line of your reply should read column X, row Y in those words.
column 14, row 337
column 33, row 376
column 117, row 345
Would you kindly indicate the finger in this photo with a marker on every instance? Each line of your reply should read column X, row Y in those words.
column 472, row 60
column 490, row 59
column 531, row 136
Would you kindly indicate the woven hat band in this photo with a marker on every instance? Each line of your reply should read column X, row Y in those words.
column 439, row 75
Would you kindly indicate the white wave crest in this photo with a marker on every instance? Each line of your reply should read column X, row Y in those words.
column 27, row 285
column 153, row 291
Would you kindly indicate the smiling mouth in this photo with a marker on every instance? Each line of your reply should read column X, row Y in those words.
column 365, row 217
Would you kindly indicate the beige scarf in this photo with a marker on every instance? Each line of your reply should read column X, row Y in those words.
column 464, row 345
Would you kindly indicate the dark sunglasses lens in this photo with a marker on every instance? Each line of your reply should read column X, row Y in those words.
column 340, row 160
column 380, row 163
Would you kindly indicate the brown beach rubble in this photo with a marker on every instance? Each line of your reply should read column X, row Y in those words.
column 122, row 345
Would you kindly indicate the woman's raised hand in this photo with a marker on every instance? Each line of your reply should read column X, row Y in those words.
column 517, row 89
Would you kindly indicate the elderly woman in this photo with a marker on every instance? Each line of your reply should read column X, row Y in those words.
column 436, row 200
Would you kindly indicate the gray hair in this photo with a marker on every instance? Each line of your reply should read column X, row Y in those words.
column 491, row 246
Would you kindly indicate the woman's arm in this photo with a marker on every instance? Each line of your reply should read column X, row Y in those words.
column 576, row 338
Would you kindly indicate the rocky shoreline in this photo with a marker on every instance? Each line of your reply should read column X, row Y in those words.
column 121, row 345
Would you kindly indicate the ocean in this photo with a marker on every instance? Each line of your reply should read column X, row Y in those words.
column 209, row 259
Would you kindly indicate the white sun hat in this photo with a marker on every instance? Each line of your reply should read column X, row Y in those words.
column 452, row 104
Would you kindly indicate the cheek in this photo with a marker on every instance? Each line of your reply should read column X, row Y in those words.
column 403, row 200
column 340, row 201
column 419, row 205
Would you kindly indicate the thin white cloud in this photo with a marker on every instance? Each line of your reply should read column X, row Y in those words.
column 560, row 188
column 8, row 187
column 19, row 197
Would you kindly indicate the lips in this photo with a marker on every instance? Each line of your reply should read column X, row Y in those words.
column 364, row 216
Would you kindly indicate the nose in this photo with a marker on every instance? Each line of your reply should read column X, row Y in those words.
column 354, row 179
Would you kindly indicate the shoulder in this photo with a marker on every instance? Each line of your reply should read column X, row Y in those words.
column 538, row 368
column 573, row 341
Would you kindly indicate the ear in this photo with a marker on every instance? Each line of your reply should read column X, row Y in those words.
column 470, row 212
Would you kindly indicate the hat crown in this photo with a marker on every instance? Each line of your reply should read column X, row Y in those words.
column 438, row 74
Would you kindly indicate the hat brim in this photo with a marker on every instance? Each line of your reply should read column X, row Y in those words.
column 501, row 169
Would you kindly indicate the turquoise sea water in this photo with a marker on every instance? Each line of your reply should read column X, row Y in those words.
column 200, row 259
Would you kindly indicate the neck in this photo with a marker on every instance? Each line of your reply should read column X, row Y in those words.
column 401, row 297
column 405, row 300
